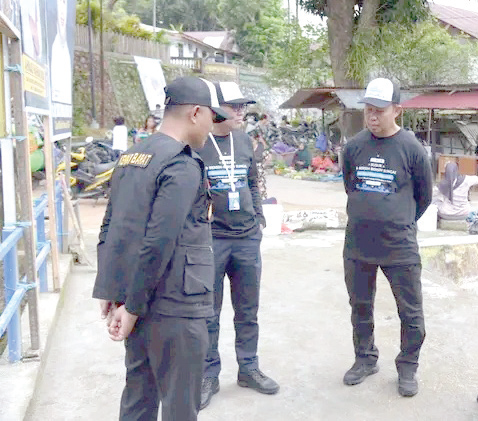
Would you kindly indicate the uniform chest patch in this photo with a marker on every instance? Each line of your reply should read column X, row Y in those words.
column 141, row 160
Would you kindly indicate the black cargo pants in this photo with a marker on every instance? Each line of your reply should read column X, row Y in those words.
column 164, row 363
column 405, row 281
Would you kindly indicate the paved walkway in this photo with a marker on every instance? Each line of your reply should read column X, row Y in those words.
column 305, row 340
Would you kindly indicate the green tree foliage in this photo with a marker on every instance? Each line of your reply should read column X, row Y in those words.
column 259, row 27
column 398, row 11
column 300, row 61
column 347, row 19
column 193, row 15
column 424, row 53
column 115, row 19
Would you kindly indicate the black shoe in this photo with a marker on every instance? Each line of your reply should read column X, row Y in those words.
column 209, row 387
column 407, row 384
column 256, row 379
column 359, row 372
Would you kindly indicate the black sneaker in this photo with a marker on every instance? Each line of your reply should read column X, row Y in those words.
column 407, row 384
column 209, row 387
column 359, row 372
column 257, row 380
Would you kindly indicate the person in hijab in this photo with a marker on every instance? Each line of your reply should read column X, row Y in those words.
column 451, row 194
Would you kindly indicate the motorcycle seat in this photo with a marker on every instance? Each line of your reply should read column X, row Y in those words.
column 100, row 168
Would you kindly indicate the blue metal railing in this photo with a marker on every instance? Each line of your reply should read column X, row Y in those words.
column 16, row 289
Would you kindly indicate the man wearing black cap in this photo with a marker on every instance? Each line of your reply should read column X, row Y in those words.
column 155, row 260
column 237, row 233
column 388, row 181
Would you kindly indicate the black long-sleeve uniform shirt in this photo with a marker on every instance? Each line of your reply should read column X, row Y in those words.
column 389, row 186
column 245, row 221
column 155, row 244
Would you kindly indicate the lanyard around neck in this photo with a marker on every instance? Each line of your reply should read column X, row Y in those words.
column 230, row 172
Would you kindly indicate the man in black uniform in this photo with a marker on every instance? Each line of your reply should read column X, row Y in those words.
column 237, row 233
column 155, row 261
column 388, row 182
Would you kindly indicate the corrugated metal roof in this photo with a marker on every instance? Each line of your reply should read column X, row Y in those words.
column 332, row 98
column 322, row 98
column 470, row 130
column 444, row 101
column 464, row 20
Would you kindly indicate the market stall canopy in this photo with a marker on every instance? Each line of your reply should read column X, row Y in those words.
column 331, row 98
column 451, row 100
column 325, row 98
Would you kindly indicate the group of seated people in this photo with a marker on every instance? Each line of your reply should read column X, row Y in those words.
column 321, row 163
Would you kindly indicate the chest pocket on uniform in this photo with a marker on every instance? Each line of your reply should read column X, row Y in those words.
column 198, row 271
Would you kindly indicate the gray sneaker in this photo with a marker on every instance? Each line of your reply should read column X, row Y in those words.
column 359, row 372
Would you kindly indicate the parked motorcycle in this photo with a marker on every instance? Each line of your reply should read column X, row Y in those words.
column 92, row 166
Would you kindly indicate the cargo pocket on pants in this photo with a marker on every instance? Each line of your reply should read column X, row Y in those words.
column 199, row 271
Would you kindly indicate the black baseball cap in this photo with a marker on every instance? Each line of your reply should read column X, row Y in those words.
column 194, row 91
column 229, row 93
column 381, row 93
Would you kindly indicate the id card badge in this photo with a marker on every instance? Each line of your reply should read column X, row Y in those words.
column 234, row 202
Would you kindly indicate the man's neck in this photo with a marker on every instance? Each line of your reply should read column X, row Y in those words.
column 173, row 130
column 220, row 130
column 391, row 132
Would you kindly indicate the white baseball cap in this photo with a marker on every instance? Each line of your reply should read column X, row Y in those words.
column 229, row 93
column 381, row 93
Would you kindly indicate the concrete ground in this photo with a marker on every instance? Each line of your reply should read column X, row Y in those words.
column 305, row 339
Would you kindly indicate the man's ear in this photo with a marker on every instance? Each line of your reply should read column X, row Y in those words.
column 398, row 110
column 194, row 112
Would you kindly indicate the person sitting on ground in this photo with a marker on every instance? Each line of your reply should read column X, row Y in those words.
column 451, row 194
column 322, row 164
column 284, row 121
column 302, row 159
column 150, row 127
column 120, row 135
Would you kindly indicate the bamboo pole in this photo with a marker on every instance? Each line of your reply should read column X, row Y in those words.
column 24, row 178
column 50, row 185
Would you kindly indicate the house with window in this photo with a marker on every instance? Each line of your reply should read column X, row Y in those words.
column 189, row 48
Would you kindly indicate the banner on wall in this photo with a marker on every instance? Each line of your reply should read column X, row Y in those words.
column 61, row 33
column 34, row 61
column 152, row 80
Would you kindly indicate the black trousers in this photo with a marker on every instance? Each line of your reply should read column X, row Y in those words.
column 240, row 259
column 405, row 281
column 164, row 363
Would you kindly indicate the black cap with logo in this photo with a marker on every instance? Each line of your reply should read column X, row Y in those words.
column 194, row 91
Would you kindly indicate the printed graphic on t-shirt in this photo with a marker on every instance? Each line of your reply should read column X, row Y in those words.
column 375, row 177
column 218, row 175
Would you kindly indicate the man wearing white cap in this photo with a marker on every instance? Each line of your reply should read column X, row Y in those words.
column 388, row 181
column 237, row 233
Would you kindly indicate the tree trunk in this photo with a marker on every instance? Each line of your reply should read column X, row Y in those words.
column 111, row 4
column 340, row 25
column 368, row 14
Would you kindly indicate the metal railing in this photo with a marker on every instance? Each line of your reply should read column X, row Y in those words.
column 12, row 233
column 188, row 62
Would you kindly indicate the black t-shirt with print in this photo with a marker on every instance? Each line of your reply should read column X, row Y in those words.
column 245, row 221
column 389, row 186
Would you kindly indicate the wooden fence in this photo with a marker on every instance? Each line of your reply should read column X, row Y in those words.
column 123, row 44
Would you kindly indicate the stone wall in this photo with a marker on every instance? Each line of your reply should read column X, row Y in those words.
column 124, row 94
